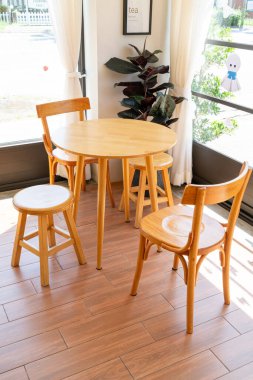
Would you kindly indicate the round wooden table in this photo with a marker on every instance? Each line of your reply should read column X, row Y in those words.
column 113, row 138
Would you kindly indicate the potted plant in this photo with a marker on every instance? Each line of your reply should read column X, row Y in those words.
column 144, row 98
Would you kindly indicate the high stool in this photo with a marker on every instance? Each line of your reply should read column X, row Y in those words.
column 162, row 162
column 44, row 201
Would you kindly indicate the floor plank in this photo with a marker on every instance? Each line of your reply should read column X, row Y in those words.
column 41, row 322
column 16, row 291
column 175, row 348
column 243, row 373
column 112, row 370
column 28, row 350
column 15, row 374
column 236, row 352
column 89, row 354
column 117, row 319
column 175, row 321
column 203, row 366
column 56, row 297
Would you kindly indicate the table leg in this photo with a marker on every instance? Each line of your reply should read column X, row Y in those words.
column 78, row 182
column 102, row 170
column 126, row 187
column 151, row 182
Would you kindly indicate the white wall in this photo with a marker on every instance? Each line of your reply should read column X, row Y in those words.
column 108, row 41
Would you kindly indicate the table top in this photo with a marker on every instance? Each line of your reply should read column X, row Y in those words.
column 114, row 138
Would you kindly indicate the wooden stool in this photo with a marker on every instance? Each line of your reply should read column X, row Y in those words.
column 45, row 201
column 162, row 162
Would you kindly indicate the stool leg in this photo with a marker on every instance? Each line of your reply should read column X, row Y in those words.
column 83, row 185
column 167, row 187
column 140, row 198
column 109, row 186
column 19, row 236
column 51, row 233
column 71, row 177
column 43, row 249
column 131, row 176
column 51, row 170
column 74, row 235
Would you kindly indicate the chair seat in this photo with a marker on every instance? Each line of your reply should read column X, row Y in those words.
column 42, row 199
column 171, row 226
column 71, row 159
column 160, row 160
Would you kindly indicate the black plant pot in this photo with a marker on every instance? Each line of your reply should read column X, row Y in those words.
column 136, row 178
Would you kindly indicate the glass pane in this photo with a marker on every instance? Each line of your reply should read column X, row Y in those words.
column 30, row 71
column 224, row 129
column 232, row 20
column 212, row 78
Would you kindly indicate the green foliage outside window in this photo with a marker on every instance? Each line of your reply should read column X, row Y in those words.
column 206, row 127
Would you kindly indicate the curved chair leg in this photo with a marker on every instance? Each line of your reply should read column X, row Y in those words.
column 226, row 274
column 19, row 236
column 167, row 187
column 175, row 262
column 191, row 280
column 109, row 186
column 139, row 265
column 74, row 235
column 140, row 198
column 83, row 186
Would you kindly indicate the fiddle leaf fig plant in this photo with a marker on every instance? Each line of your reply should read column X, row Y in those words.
column 144, row 98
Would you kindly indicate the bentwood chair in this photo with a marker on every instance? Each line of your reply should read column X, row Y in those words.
column 191, row 234
column 162, row 163
column 58, row 156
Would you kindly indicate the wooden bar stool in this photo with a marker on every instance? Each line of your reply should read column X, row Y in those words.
column 44, row 201
column 162, row 162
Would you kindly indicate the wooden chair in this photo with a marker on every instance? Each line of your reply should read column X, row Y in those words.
column 162, row 162
column 58, row 156
column 189, row 233
column 44, row 201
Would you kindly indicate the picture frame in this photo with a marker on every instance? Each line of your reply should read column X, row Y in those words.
column 137, row 17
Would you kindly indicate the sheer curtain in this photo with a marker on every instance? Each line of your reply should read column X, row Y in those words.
column 189, row 25
column 67, row 20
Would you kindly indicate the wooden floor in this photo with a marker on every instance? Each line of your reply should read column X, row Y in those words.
column 87, row 326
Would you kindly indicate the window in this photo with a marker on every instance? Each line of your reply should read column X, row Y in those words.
column 30, row 69
column 223, row 88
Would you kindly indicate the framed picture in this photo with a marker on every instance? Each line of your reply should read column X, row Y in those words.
column 137, row 16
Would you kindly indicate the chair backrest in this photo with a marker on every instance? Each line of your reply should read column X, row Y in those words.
column 57, row 108
column 200, row 195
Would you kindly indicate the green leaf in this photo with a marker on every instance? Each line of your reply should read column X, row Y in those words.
column 171, row 121
column 130, row 103
column 121, row 66
column 134, row 91
column 151, row 82
column 129, row 114
column 163, row 107
column 126, row 84
column 135, row 47
column 163, row 86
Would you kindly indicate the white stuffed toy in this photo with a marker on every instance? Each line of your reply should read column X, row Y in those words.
column 230, row 82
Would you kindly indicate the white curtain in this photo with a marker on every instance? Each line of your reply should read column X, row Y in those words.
column 67, row 20
column 189, row 25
